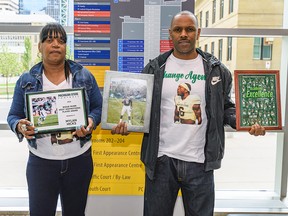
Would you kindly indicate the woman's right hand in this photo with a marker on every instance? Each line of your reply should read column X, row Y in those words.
column 26, row 128
column 121, row 129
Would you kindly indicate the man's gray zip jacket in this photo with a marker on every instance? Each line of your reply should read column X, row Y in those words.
column 220, row 110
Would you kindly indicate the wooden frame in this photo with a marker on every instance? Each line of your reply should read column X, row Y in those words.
column 257, row 94
column 137, row 88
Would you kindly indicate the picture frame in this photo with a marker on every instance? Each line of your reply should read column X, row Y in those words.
column 127, row 97
column 57, row 110
column 257, row 95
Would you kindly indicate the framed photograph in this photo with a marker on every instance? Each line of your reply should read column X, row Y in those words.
column 257, row 94
column 127, row 97
column 56, row 111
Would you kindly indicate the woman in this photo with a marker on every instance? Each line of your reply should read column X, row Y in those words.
column 56, row 168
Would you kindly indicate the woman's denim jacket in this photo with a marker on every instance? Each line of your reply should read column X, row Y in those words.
column 32, row 82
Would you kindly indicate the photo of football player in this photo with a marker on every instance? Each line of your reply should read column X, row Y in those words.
column 126, row 108
column 44, row 107
column 187, row 106
column 42, row 114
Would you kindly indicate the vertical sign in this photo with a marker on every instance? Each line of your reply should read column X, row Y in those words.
column 92, row 36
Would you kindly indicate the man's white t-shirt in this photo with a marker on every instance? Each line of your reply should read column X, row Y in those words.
column 48, row 150
column 178, row 140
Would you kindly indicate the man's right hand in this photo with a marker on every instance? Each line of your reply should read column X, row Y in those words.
column 121, row 129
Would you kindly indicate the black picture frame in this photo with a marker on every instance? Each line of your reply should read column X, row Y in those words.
column 57, row 110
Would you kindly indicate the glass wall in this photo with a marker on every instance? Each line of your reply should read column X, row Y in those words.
column 247, row 35
column 20, row 26
column 250, row 163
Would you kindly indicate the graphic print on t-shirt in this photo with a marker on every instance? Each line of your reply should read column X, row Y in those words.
column 183, row 120
column 187, row 106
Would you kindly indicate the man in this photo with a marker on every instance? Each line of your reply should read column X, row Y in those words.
column 183, row 156
column 187, row 107
column 126, row 108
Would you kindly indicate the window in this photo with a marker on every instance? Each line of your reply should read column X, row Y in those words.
column 243, row 152
column 207, row 19
column 262, row 48
column 212, row 47
column 229, row 49
column 266, row 52
column 221, row 9
column 13, row 46
column 220, row 46
column 257, row 48
column 214, row 11
column 206, row 48
column 231, row 5
column 200, row 19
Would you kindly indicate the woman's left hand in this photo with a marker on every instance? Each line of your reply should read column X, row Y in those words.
column 81, row 131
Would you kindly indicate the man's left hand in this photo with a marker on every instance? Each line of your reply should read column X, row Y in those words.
column 257, row 130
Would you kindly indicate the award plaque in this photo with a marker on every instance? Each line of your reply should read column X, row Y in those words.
column 257, row 96
column 58, row 110
column 127, row 97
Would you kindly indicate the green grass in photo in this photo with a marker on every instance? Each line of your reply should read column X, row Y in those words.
column 115, row 107
column 50, row 120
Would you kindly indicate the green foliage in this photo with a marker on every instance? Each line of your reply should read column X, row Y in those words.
column 10, row 66
column 69, row 53
column 27, row 56
column 114, row 112
column 9, row 63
